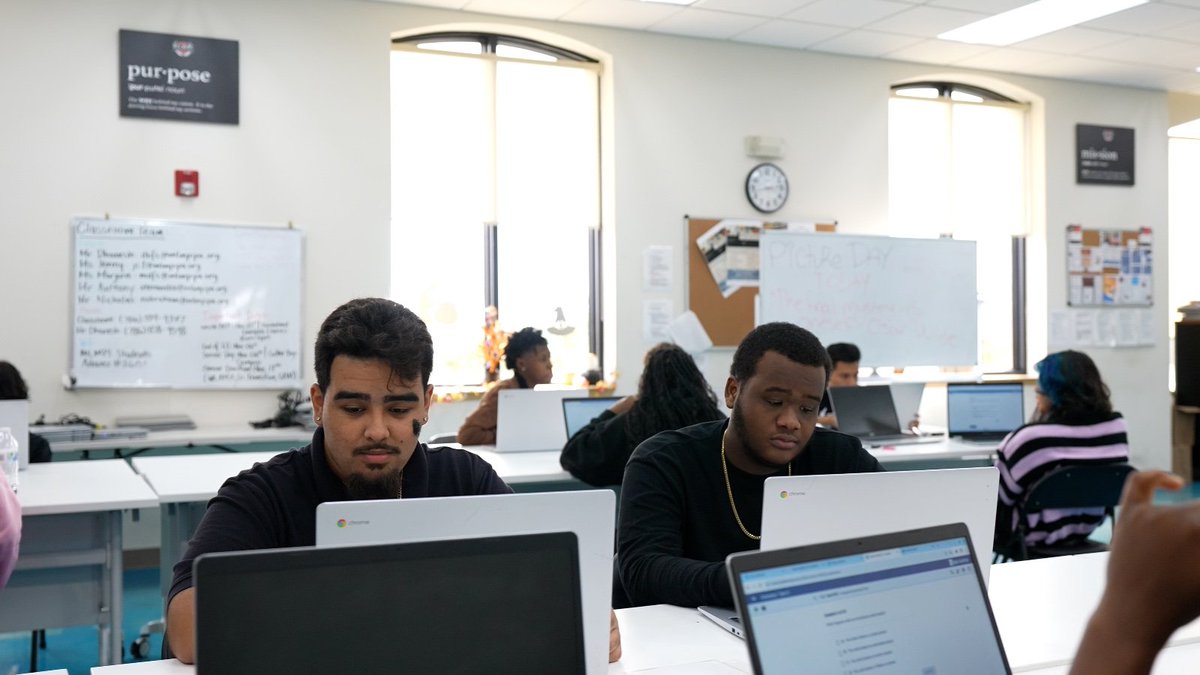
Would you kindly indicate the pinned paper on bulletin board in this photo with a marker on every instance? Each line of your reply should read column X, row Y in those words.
column 1109, row 267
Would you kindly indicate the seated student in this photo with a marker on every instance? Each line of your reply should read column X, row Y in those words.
column 844, row 358
column 1073, row 423
column 528, row 356
column 672, row 394
column 1152, row 586
column 373, row 359
column 12, row 387
column 693, row 496
column 10, row 529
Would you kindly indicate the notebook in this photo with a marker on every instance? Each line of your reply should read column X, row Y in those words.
column 428, row 607
column 870, row 414
column 531, row 419
column 905, row 602
column 799, row 510
column 984, row 411
column 579, row 411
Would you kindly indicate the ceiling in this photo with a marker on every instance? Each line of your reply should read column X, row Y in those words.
column 1153, row 46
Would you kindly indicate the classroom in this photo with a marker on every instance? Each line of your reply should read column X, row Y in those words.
column 313, row 150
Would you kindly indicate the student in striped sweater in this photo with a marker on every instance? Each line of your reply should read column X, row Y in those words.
column 1074, row 423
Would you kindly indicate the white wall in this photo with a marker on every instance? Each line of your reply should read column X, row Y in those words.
column 313, row 147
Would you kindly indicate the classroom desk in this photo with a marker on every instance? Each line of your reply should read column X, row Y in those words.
column 69, row 572
column 222, row 438
column 945, row 449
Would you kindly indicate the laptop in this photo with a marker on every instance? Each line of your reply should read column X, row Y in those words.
column 531, row 419
column 870, row 414
column 578, row 412
column 14, row 414
column 905, row 602
column 906, row 397
column 986, row 411
column 801, row 510
column 426, row 607
column 588, row 514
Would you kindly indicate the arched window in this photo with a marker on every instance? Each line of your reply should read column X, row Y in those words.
column 957, row 166
column 496, row 195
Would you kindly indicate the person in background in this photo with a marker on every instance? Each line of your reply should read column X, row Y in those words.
column 1152, row 586
column 528, row 356
column 844, row 357
column 672, row 394
column 1073, row 423
column 12, row 387
column 10, row 529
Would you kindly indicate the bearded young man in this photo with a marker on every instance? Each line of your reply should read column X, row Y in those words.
column 693, row 496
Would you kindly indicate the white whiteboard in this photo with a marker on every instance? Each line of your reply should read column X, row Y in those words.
column 904, row 302
column 189, row 306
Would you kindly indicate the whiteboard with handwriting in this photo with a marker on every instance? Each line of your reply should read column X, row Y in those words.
column 904, row 302
column 187, row 306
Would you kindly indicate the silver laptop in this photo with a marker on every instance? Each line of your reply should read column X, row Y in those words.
column 578, row 412
column 799, row 510
column 14, row 414
column 986, row 411
column 906, row 397
column 531, row 419
column 589, row 514
column 724, row 617
column 904, row 602
column 869, row 414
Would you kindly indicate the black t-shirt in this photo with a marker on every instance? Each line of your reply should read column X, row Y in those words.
column 274, row 504
column 597, row 453
column 676, row 525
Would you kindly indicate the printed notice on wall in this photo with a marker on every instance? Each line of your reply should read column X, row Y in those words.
column 182, row 305
column 1104, row 155
column 658, row 269
column 1109, row 268
column 178, row 77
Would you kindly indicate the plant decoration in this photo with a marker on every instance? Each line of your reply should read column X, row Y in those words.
column 494, row 340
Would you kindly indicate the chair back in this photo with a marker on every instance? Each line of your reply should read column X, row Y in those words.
column 1078, row 486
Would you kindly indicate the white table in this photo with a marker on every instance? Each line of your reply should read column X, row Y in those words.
column 540, row 466
column 70, row 568
column 216, row 437
column 945, row 449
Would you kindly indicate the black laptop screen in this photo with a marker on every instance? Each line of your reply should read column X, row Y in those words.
column 865, row 412
column 503, row 604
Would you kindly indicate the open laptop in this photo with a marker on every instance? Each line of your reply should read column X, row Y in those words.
column 800, row 510
column 14, row 414
column 869, row 414
column 984, row 411
column 501, row 604
column 531, row 419
column 906, row 397
column 904, row 602
column 578, row 412
column 588, row 514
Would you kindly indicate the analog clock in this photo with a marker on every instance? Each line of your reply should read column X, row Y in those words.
column 766, row 187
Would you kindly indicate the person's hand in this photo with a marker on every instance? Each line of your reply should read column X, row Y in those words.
column 828, row 421
column 614, row 638
column 623, row 405
column 914, row 423
column 1152, row 586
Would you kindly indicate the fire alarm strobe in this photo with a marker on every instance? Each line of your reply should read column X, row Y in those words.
column 187, row 183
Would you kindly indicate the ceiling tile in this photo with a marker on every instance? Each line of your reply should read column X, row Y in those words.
column 865, row 43
column 1006, row 59
column 942, row 52
column 1152, row 51
column 849, row 13
column 1187, row 32
column 1145, row 19
column 446, row 4
column 542, row 9
column 925, row 21
column 988, row 7
column 1102, row 72
column 767, row 8
column 793, row 34
column 1072, row 40
column 633, row 14
column 706, row 24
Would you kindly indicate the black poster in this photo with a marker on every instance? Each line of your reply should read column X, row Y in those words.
column 177, row 77
column 1103, row 155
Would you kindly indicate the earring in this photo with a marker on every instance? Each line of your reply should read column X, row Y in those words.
column 318, row 419
column 425, row 421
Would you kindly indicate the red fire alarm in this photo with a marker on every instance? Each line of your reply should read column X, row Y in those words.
column 187, row 183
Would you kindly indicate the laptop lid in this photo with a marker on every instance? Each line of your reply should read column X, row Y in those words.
column 530, row 420
column 984, row 410
column 905, row 602
column 588, row 514
column 14, row 414
column 578, row 412
column 800, row 510
column 906, row 396
column 429, row 607
column 866, row 412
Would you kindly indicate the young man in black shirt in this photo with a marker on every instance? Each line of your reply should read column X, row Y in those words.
column 693, row 496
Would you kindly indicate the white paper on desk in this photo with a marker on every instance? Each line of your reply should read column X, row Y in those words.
column 656, row 317
column 1084, row 327
column 1060, row 329
column 657, row 269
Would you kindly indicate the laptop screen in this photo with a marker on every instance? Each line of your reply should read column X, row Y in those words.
column 994, row 409
column 910, row 602
column 865, row 412
column 579, row 411
column 475, row 605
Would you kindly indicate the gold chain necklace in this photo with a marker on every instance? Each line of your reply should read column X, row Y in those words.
column 729, row 491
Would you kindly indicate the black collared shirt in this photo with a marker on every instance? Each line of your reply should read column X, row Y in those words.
column 273, row 504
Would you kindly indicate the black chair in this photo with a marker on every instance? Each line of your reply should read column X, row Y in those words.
column 1075, row 486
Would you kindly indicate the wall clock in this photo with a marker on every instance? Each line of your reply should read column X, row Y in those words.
column 766, row 187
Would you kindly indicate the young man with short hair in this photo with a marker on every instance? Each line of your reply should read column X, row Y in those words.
column 693, row 496
column 844, row 358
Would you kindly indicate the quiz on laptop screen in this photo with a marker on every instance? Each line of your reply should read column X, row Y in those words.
column 913, row 609
column 984, row 407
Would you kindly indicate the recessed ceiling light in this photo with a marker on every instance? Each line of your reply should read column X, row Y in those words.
column 1034, row 19
column 672, row 2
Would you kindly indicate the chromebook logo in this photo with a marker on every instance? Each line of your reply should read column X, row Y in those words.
column 783, row 494
column 342, row 522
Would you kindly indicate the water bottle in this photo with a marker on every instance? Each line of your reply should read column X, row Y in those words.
column 10, row 457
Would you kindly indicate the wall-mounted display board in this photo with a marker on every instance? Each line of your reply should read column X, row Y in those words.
column 904, row 302
column 189, row 306
column 1109, row 268
column 720, row 290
